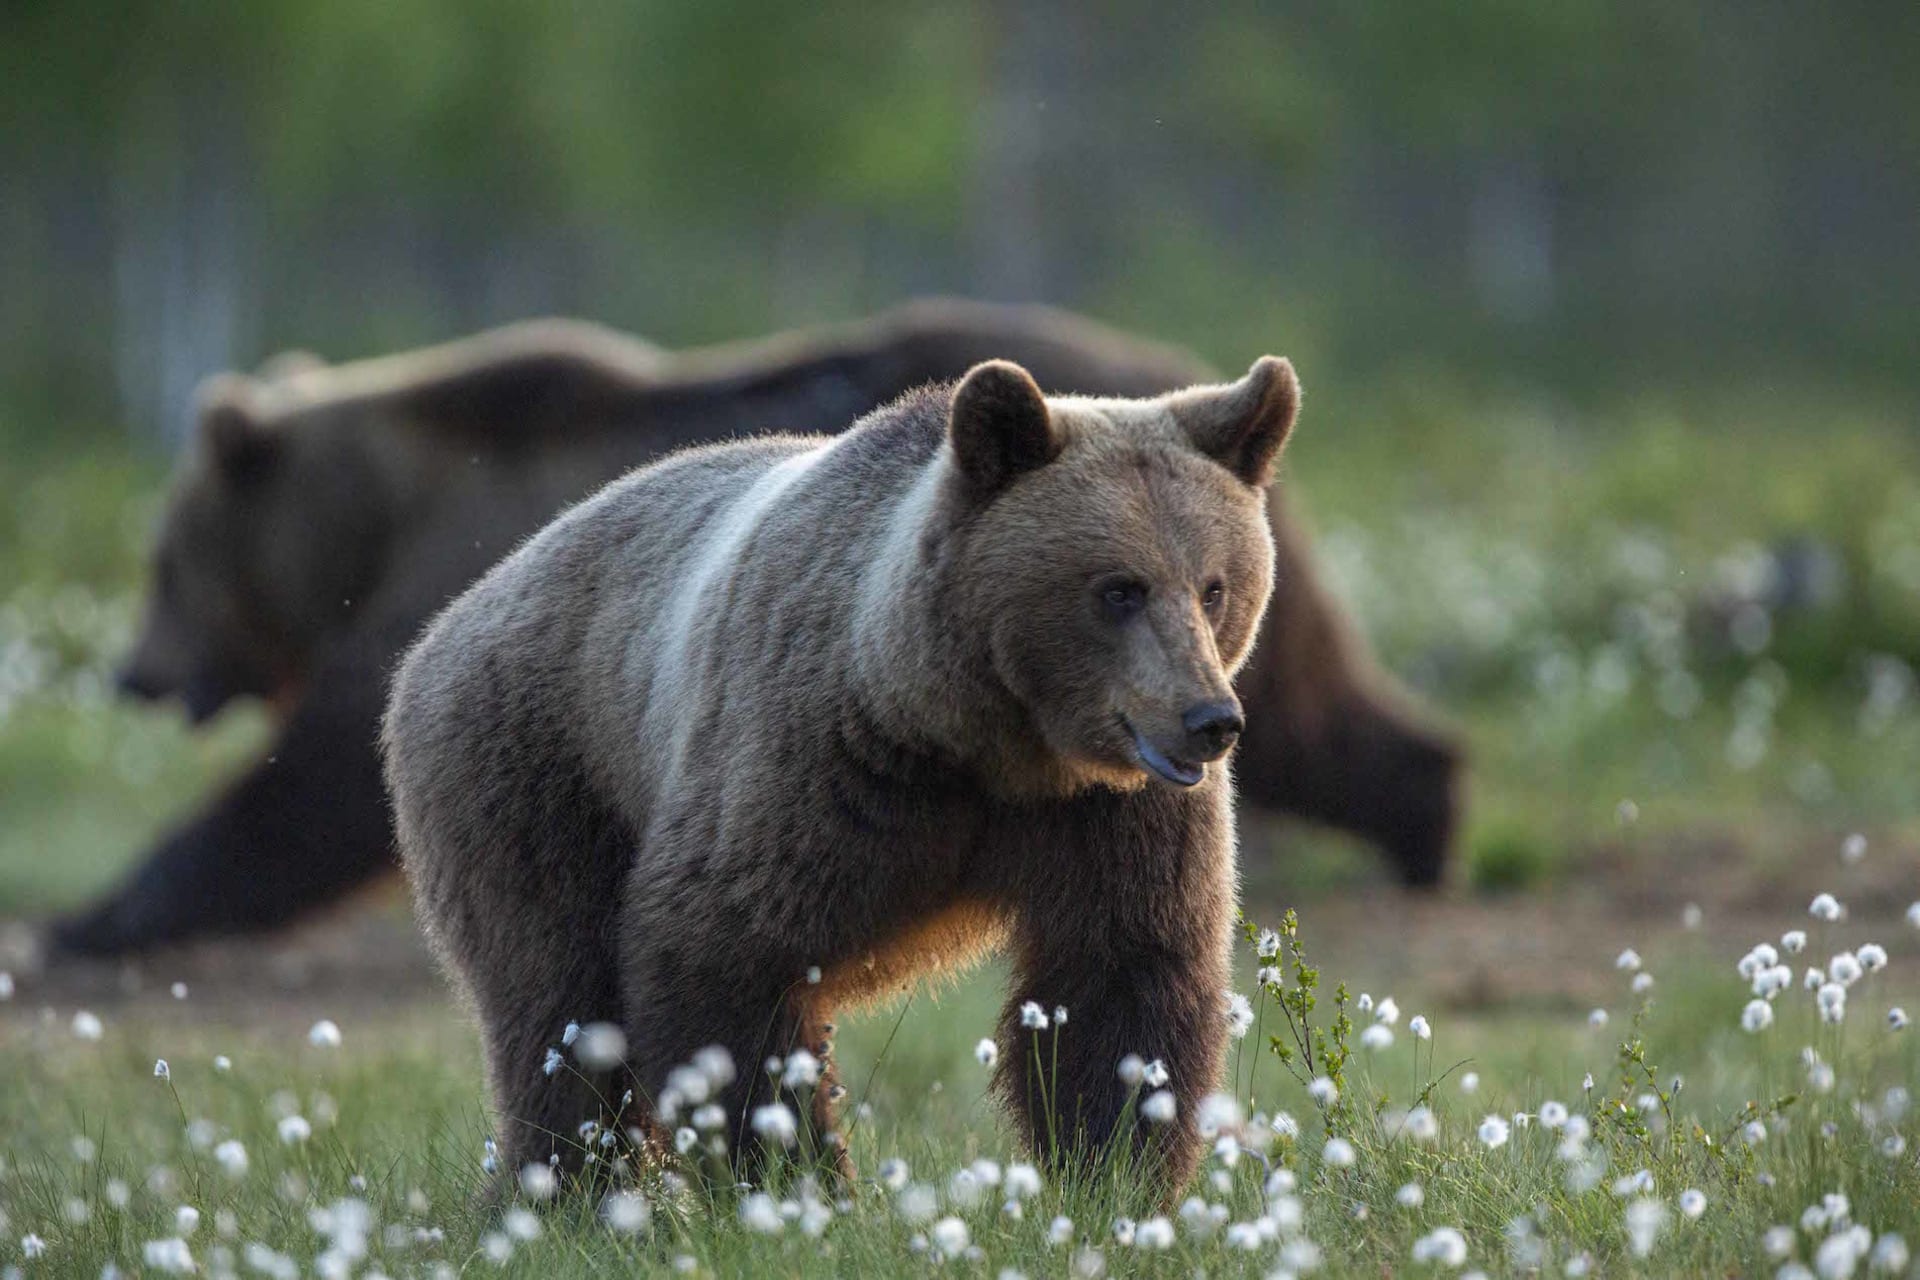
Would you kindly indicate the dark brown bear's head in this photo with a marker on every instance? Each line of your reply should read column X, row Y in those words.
column 1119, row 559
column 259, row 551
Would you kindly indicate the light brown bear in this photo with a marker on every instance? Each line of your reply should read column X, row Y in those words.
column 866, row 706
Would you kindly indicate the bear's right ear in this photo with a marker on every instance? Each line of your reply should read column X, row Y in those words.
column 241, row 446
column 999, row 426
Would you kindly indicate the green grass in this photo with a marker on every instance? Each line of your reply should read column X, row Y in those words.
column 397, row 1128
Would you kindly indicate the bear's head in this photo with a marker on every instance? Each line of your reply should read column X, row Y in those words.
column 262, row 547
column 1118, row 560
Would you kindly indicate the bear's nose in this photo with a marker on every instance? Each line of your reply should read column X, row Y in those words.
column 1212, row 728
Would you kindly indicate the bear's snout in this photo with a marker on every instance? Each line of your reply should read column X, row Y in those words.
column 1212, row 728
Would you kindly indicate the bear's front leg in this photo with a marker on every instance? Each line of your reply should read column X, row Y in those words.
column 1124, row 919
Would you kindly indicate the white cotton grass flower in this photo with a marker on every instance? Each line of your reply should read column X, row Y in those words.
column 231, row 1156
column 1386, row 1012
column 1642, row 983
column 1060, row 1231
column 87, row 1025
column 1239, row 1013
column 1153, row 1234
column 775, row 1123
column 169, row 1256
column 1832, row 1001
column 1339, row 1154
column 1410, row 1196
column 1825, row 907
column 1284, row 1126
column 1756, row 1017
column 1897, row 1019
column 1691, row 916
column 1553, row 1115
column 1872, row 956
column 1493, row 1132
column 1132, row 1070
column 1913, row 915
column 950, row 1236
column 1627, row 960
column 1693, row 1203
column 161, row 1071
column 801, row 1070
column 1644, row 1220
column 1890, row 1255
column 1022, row 1181
column 1160, row 1107
column 602, row 1047
column 1218, row 1113
column 1793, row 941
column 1032, row 1016
column 186, row 1220
column 761, row 1215
column 1323, row 1090
column 626, row 1212
column 1470, row 1082
column 986, row 1053
column 1441, row 1247
column 1268, row 945
column 1853, row 849
column 1420, row 1027
column 294, row 1130
column 1845, row 969
column 222, row 1063
column 324, row 1034
column 1377, row 1037
column 1365, row 1003
column 1768, row 983
column 1596, row 1018
column 1421, row 1125
column 552, row 1063
column 1059, row 1015
column 539, row 1181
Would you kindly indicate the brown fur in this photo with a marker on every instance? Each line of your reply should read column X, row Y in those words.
column 869, row 704
column 327, row 512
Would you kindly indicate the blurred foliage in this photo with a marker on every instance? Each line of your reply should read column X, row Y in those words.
column 1536, row 191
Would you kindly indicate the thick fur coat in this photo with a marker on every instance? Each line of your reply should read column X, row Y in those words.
column 871, row 706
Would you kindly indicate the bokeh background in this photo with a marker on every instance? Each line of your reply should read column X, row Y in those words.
column 1606, row 313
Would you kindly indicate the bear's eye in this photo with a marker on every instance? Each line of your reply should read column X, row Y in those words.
column 1123, row 599
column 1210, row 598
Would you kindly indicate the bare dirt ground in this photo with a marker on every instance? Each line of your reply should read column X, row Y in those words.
column 1544, row 949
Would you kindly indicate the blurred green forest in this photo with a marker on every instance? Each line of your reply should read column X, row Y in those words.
column 1606, row 313
column 1582, row 195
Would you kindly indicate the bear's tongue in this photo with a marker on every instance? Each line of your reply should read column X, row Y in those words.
column 1179, row 774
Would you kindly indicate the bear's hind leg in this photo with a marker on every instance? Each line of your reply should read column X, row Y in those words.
column 520, row 897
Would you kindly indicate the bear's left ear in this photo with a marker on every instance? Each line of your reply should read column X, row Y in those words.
column 241, row 445
column 1243, row 425
column 999, row 426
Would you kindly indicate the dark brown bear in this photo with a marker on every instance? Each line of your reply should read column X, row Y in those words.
column 770, row 729
column 326, row 513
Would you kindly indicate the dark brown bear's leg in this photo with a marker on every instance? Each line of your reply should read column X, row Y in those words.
column 682, row 998
column 519, row 894
column 300, row 830
column 1126, row 922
